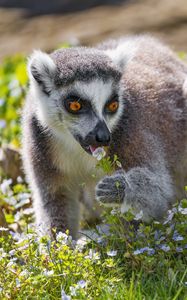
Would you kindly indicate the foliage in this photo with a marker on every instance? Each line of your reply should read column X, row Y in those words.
column 126, row 259
column 13, row 83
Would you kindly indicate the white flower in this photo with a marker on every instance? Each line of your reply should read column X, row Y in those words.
column 114, row 212
column 5, row 185
column 10, row 264
column 118, row 164
column 93, row 255
column 13, row 84
column 81, row 243
column 48, row 273
column 138, row 216
column 73, row 290
column 16, row 92
column 18, row 283
column 63, row 238
column 64, row 296
column 112, row 253
column 3, row 229
column 28, row 211
column 99, row 153
column 24, row 273
column 19, row 179
column 183, row 211
column 2, row 253
column 12, row 252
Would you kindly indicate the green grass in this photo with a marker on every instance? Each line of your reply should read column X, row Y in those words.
column 129, row 262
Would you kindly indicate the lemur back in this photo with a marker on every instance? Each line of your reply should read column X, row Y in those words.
column 128, row 95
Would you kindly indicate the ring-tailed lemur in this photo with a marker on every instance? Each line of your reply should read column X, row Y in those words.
column 129, row 94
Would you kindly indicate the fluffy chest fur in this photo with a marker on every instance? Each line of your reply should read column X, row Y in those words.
column 73, row 162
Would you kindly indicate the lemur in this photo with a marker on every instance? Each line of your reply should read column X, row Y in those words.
column 129, row 95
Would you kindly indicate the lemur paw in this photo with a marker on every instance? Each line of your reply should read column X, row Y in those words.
column 111, row 189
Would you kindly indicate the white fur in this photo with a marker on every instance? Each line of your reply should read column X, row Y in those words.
column 185, row 88
column 41, row 60
column 99, row 92
column 79, row 166
column 123, row 53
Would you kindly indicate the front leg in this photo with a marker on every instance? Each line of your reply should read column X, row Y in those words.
column 111, row 189
column 57, row 210
column 140, row 189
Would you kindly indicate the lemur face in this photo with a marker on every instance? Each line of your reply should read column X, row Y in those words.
column 78, row 92
column 90, row 111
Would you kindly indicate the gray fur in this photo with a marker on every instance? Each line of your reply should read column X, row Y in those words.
column 83, row 64
column 148, row 132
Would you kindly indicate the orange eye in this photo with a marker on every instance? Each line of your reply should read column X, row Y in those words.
column 113, row 106
column 74, row 106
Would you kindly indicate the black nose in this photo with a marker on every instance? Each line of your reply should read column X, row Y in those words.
column 102, row 134
column 99, row 136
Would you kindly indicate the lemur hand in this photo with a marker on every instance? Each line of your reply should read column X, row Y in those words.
column 111, row 189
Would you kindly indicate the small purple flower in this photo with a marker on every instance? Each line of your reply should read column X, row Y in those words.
column 99, row 153
column 2, row 101
column 64, row 296
column 141, row 250
column 81, row 283
column 179, row 249
column 177, row 237
column 150, row 251
column 2, row 123
column 165, row 247
column 101, row 241
column 12, row 252
column 158, row 236
column 139, row 216
column 170, row 216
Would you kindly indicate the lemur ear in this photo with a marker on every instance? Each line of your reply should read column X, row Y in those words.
column 42, row 70
column 121, row 55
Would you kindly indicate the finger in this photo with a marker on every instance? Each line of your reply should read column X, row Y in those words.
column 104, row 186
column 104, row 193
column 105, row 200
